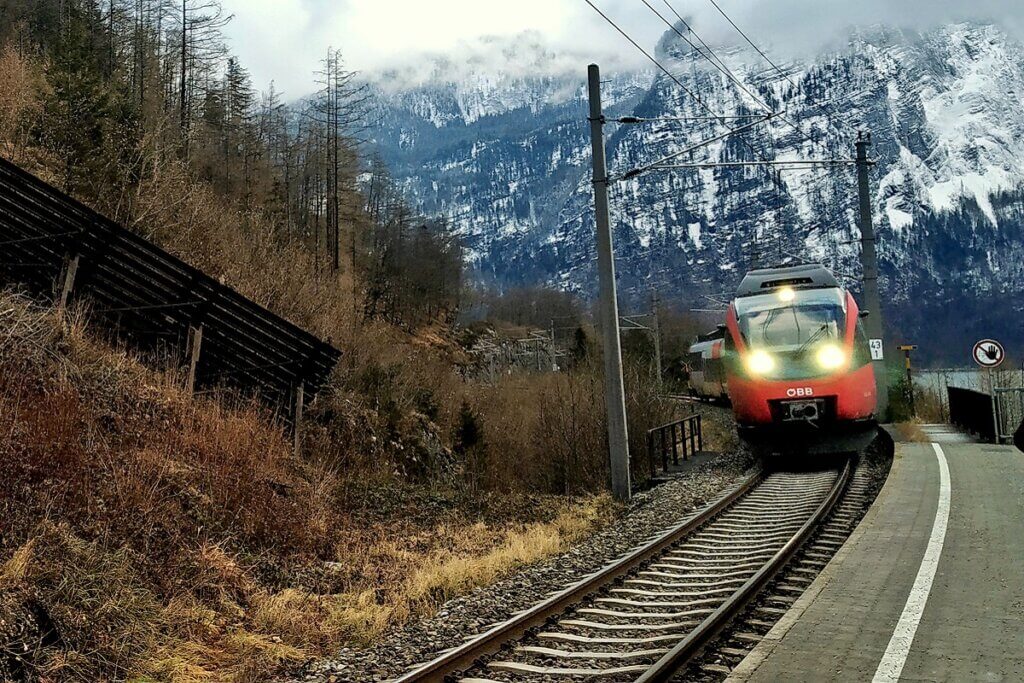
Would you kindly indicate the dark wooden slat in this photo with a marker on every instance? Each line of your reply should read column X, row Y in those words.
column 245, row 346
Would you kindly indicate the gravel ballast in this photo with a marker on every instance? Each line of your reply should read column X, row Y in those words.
column 649, row 513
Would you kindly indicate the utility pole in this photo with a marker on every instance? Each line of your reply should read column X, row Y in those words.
column 655, row 305
column 869, row 263
column 614, row 388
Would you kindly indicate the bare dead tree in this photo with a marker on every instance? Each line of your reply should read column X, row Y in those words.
column 201, row 50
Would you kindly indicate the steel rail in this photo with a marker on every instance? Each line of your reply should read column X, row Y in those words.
column 666, row 667
column 466, row 655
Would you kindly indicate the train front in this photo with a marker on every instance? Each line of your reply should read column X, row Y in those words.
column 799, row 367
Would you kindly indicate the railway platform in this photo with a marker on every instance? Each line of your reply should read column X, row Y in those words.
column 930, row 586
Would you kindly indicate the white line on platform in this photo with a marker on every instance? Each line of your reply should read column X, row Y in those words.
column 891, row 666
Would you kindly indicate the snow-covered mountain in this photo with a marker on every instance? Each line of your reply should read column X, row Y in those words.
column 506, row 158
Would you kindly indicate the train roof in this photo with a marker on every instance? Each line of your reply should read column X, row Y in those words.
column 812, row 275
column 714, row 335
column 705, row 345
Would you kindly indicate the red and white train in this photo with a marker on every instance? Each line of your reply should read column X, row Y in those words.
column 793, row 360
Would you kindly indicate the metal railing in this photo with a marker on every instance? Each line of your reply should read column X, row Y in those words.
column 972, row 411
column 679, row 439
column 931, row 384
column 1009, row 413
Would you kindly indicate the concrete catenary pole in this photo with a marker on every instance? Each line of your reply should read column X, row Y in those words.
column 614, row 388
column 869, row 261
column 655, row 308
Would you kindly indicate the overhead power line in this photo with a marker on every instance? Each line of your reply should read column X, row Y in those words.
column 736, row 164
column 652, row 59
column 672, row 76
column 692, row 148
column 768, row 59
column 659, row 119
column 707, row 53
column 720, row 65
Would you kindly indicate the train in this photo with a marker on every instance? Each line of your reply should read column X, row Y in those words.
column 793, row 361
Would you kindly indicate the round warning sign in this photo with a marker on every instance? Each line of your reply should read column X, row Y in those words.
column 988, row 353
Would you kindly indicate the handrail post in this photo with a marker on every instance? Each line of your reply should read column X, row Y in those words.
column 664, row 450
column 650, row 452
column 675, row 444
column 700, row 432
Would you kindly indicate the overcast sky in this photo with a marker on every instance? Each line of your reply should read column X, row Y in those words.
column 283, row 40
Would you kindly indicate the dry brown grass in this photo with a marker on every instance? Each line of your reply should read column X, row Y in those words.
column 471, row 557
column 911, row 432
column 548, row 432
column 150, row 535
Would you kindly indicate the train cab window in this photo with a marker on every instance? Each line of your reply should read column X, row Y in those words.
column 802, row 317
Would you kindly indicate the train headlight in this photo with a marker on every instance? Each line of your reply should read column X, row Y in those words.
column 831, row 357
column 760, row 362
column 786, row 295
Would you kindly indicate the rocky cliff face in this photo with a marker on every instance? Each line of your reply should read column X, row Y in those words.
column 506, row 158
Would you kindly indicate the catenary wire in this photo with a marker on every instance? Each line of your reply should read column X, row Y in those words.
column 668, row 73
column 652, row 59
column 722, row 67
column 720, row 64
column 768, row 59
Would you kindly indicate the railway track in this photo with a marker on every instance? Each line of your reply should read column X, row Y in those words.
column 725, row 653
column 649, row 614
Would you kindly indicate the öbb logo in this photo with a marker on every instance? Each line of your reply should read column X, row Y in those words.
column 800, row 392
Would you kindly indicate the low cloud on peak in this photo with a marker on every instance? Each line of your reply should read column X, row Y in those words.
column 284, row 40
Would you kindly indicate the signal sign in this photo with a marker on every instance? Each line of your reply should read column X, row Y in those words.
column 877, row 349
column 988, row 353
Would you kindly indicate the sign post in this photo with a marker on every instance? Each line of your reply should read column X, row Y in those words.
column 906, row 349
column 990, row 354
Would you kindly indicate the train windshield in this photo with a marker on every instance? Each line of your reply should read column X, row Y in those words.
column 788, row 320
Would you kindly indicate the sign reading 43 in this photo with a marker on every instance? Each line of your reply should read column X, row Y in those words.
column 877, row 349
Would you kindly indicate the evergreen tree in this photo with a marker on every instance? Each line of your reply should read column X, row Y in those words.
column 80, row 104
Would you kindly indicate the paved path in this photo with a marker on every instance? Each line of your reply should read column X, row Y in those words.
column 958, row 617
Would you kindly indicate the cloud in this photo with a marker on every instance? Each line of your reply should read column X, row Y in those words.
column 797, row 26
column 284, row 40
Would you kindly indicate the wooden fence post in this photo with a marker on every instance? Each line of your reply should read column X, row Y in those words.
column 195, row 345
column 70, row 273
column 300, row 396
